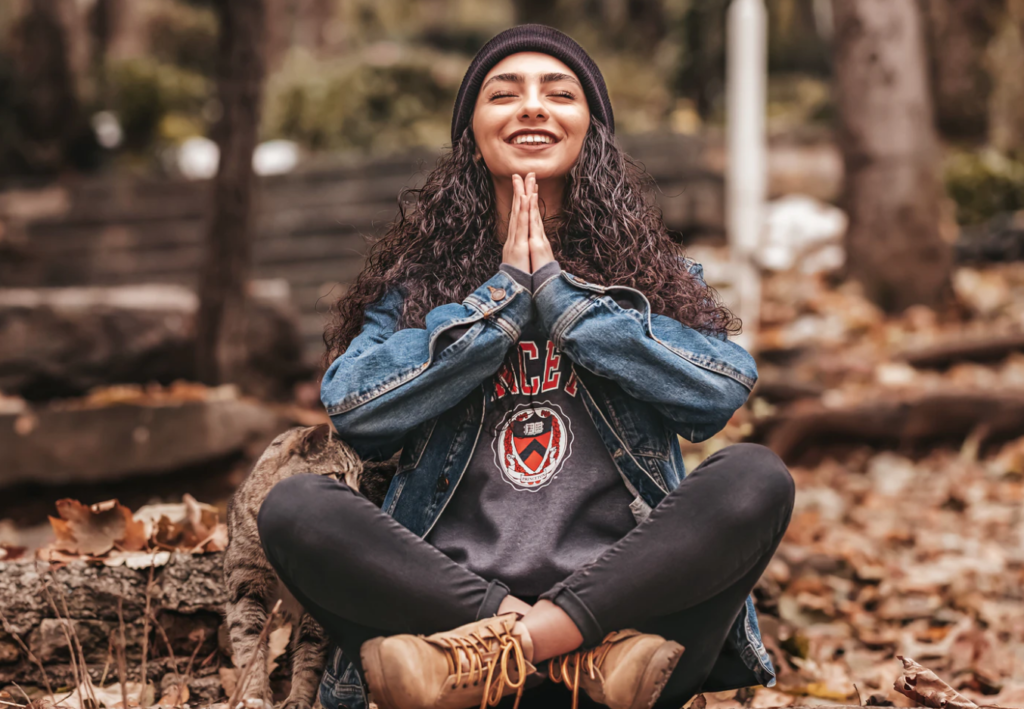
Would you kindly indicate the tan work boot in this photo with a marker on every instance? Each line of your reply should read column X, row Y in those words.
column 627, row 670
column 474, row 664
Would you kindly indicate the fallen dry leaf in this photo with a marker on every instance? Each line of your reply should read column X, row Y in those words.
column 11, row 552
column 924, row 687
column 96, row 529
column 108, row 533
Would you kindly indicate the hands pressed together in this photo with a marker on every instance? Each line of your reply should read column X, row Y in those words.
column 526, row 246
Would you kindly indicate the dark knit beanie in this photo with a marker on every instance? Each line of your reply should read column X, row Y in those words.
column 531, row 38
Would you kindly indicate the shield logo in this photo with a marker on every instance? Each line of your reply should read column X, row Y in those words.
column 532, row 445
column 531, row 438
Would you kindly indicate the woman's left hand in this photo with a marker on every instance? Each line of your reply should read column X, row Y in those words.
column 540, row 247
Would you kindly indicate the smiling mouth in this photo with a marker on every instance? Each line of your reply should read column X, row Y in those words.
column 544, row 142
column 532, row 147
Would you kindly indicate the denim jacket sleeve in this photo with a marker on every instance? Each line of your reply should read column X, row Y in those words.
column 696, row 381
column 389, row 381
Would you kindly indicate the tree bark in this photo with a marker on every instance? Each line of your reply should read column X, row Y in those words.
column 887, row 135
column 958, row 33
column 187, row 594
column 44, row 97
column 1006, row 105
column 227, row 261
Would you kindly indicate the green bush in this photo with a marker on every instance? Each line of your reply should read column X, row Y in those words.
column 984, row 184
column 185, row 36
column 144, row 91
column 356, row 105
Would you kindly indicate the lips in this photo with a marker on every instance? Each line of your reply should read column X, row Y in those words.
column 532, row 146
column 523, row 131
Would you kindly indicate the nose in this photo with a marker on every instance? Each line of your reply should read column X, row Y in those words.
column 532, row 107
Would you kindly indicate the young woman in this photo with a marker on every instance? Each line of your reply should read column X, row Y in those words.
column 532, row 342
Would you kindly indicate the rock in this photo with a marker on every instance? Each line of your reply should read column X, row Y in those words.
column 61, row 342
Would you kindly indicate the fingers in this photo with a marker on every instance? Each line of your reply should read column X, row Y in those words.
column 516, row 250
column 513, row 216
column 541, row 252
column 523, row 224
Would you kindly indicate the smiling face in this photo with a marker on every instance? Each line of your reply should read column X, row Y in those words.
column 531, row 116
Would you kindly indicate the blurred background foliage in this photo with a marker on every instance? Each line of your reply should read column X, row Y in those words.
column 380, row 77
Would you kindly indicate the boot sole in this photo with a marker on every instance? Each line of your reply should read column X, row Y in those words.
column 657, row 673
column 369, row 655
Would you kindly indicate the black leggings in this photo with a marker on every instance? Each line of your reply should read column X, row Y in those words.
column 683, row 573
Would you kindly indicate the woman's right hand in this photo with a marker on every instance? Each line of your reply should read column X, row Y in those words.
column 516, row 251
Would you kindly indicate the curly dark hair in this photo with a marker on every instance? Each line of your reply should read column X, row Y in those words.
column 610, row 231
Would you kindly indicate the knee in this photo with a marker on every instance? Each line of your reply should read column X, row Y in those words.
column 764, row 484
column 279, row 521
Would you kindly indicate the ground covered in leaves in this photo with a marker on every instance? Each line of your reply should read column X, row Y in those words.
column 905, row 436
column 912, row 546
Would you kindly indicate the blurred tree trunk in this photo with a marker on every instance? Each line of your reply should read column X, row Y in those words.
column 45, row 100
column 1006, row 64
column 104, row 22
column 227, row 262
column 959, row 32
column 701, row 75
column 894, row 248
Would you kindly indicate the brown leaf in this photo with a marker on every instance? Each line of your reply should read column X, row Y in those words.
column 924, row 687
column 10, row 552
column 90, row 530
column 201, row 518
column 218, row 539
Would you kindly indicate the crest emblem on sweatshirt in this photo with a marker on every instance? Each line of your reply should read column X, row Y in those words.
column 532, row 445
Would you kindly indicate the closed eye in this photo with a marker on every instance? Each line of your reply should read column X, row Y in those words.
column 566, row 94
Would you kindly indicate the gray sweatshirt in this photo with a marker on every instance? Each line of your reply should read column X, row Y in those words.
column 541, row 495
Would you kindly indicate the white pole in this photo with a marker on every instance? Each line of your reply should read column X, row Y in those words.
column 746, row 178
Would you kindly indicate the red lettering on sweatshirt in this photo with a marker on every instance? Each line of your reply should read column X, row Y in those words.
column 551, row 373
column 531, row 385
column 514, row 375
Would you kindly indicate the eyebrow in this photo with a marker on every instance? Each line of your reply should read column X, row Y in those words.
column 544, row 79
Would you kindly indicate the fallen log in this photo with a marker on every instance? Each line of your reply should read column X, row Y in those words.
column 187, row 594
column 61, row 342
column 70, row 442
column 895, row 420
column 974, row 349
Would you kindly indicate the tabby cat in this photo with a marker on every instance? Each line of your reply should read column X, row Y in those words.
column 253, row 586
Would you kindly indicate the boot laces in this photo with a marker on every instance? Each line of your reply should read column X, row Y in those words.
column 565, row 669
column 490, row 659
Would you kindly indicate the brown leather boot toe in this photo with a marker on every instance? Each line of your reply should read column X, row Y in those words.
column 627, row 670
column 473, row 665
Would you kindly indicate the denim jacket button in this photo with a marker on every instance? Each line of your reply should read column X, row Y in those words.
column 497, row 293
column 442, row 483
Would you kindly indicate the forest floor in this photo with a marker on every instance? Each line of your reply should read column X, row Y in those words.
column 907, row 537
column 905, row 436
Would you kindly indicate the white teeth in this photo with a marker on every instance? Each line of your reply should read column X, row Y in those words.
column 532, row 138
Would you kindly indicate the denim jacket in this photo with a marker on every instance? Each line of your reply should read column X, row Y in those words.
column 644, row 379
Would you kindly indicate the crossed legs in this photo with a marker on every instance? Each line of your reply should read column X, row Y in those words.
column 684, row 573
